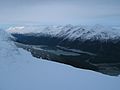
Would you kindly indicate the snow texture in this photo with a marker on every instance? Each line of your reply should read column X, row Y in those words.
column 71, row 32
column 20, row 71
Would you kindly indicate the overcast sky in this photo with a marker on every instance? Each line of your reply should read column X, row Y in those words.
column 60, row 11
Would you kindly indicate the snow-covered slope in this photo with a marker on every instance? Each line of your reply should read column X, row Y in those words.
column 6, row 46
column 20, row 71
column 71, row 32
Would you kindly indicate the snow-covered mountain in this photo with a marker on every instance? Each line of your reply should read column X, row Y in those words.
column 90, row 47
column 94, row 39
column 70, row 32
column 20, row 71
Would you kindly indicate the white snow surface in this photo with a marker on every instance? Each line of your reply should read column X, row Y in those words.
column 70, row 32
column 20, row 71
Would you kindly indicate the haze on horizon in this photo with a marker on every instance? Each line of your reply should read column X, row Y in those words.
column 60, row 11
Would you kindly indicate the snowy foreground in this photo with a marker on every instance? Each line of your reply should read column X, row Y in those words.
column 20, row 71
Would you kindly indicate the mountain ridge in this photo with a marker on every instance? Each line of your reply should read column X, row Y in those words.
column 70, row 32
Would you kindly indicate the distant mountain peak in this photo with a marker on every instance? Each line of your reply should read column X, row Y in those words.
column 97, row 32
